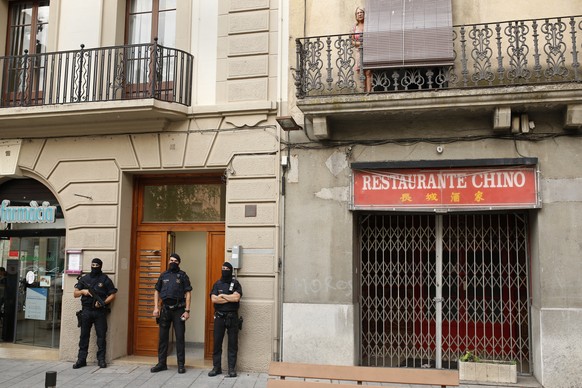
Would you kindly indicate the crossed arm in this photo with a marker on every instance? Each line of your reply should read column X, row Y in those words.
column 225, row 298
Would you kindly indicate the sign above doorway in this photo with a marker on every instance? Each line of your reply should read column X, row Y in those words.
column 27, row 214
column 445, row 189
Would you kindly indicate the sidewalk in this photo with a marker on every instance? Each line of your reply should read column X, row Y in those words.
column 25, row 366
column 32, row 373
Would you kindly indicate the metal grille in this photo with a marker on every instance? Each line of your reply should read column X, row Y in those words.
column 411, row 319
column 520, row 52
column 96, row 74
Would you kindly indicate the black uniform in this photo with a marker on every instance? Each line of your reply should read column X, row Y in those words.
column 171, row 287
column 102, row 286
column 226, row 319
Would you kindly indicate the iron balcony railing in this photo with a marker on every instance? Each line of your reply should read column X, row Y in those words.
column 114, row 73
column 511, row 53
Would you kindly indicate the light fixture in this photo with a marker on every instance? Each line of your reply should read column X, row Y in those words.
column 288, row 124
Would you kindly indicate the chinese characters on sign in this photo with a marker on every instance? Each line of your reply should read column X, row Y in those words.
column 503, row 187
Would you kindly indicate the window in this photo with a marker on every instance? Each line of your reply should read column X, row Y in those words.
column 27, row 27
column 407, row 33
column 150, row 73
column 24, row 73
column 150, row 19
column 184, row 202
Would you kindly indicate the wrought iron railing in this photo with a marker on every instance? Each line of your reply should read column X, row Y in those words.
column 101, row 74
column 511, row 53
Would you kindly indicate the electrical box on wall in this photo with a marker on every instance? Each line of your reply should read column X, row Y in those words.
column 235, row 256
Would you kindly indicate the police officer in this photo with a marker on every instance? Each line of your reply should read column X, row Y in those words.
column 174, row 289
column 96, row 291
column 225, row 296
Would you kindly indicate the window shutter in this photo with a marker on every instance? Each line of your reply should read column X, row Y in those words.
column 406, row 33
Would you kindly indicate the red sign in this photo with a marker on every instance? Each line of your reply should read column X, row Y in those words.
column 443, row 189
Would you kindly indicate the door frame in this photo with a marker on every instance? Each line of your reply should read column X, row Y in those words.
column 211, row 228
column 213, row 272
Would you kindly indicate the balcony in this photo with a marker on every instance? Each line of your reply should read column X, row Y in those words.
column 499, row 68
column 120, row 88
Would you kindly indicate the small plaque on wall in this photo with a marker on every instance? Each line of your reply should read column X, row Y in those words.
column 74, row 262
column 250, row 210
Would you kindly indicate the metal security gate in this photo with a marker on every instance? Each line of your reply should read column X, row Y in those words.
column 435, row 286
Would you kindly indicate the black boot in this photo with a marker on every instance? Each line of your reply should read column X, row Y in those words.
column 215, row 371
column 159, row 367
column 79, row 364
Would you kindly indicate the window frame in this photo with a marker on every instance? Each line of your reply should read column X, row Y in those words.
column 155, row 18
column 33, row 26
column 182, row 179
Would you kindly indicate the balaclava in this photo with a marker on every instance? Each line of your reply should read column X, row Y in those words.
column 227, row 274
column 96, row 271
column 175, row 267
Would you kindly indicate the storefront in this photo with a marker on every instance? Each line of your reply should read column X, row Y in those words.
column 32, row 247
column 444, row 261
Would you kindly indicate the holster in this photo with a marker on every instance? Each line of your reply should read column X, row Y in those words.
column 79, row 315
column 164, row 319
column 232, row 320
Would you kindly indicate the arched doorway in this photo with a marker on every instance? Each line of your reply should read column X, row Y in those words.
column 32, row 249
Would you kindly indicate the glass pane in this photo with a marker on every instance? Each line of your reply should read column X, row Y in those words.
column 20, row 40
column 20, row 19
column 42, row 27
column 184, row 203
column 21, row 33
column 33, row 289
column 140, row 28
column 167, row 29
column 140, row 6
column 21, row 13
column 167, row 4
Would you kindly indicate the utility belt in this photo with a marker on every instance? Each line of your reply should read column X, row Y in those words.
column 174, row 307
column 79, row 314
column 231, row 318
column 224, row 314
column 91, row 308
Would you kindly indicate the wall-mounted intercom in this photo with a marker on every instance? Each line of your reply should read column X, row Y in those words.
column 235, row 256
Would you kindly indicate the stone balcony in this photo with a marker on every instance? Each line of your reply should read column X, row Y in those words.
column 507, row 70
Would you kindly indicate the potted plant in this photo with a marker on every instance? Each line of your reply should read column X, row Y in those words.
column 473, row 368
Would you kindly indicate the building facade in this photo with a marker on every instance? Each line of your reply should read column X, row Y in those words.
column 433, row 214
column 144, row 127
column 437, row 212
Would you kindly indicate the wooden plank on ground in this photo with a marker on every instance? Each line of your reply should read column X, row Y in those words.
column 370, row 374
column 271, row 383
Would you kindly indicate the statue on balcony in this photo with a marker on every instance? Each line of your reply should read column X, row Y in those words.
column 357, row 39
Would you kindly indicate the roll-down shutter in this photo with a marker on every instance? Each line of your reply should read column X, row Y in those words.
column 408, row 33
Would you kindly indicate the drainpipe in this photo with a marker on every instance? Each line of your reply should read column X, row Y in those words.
column 282, row 93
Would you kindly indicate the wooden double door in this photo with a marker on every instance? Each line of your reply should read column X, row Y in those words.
column 152, row 250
